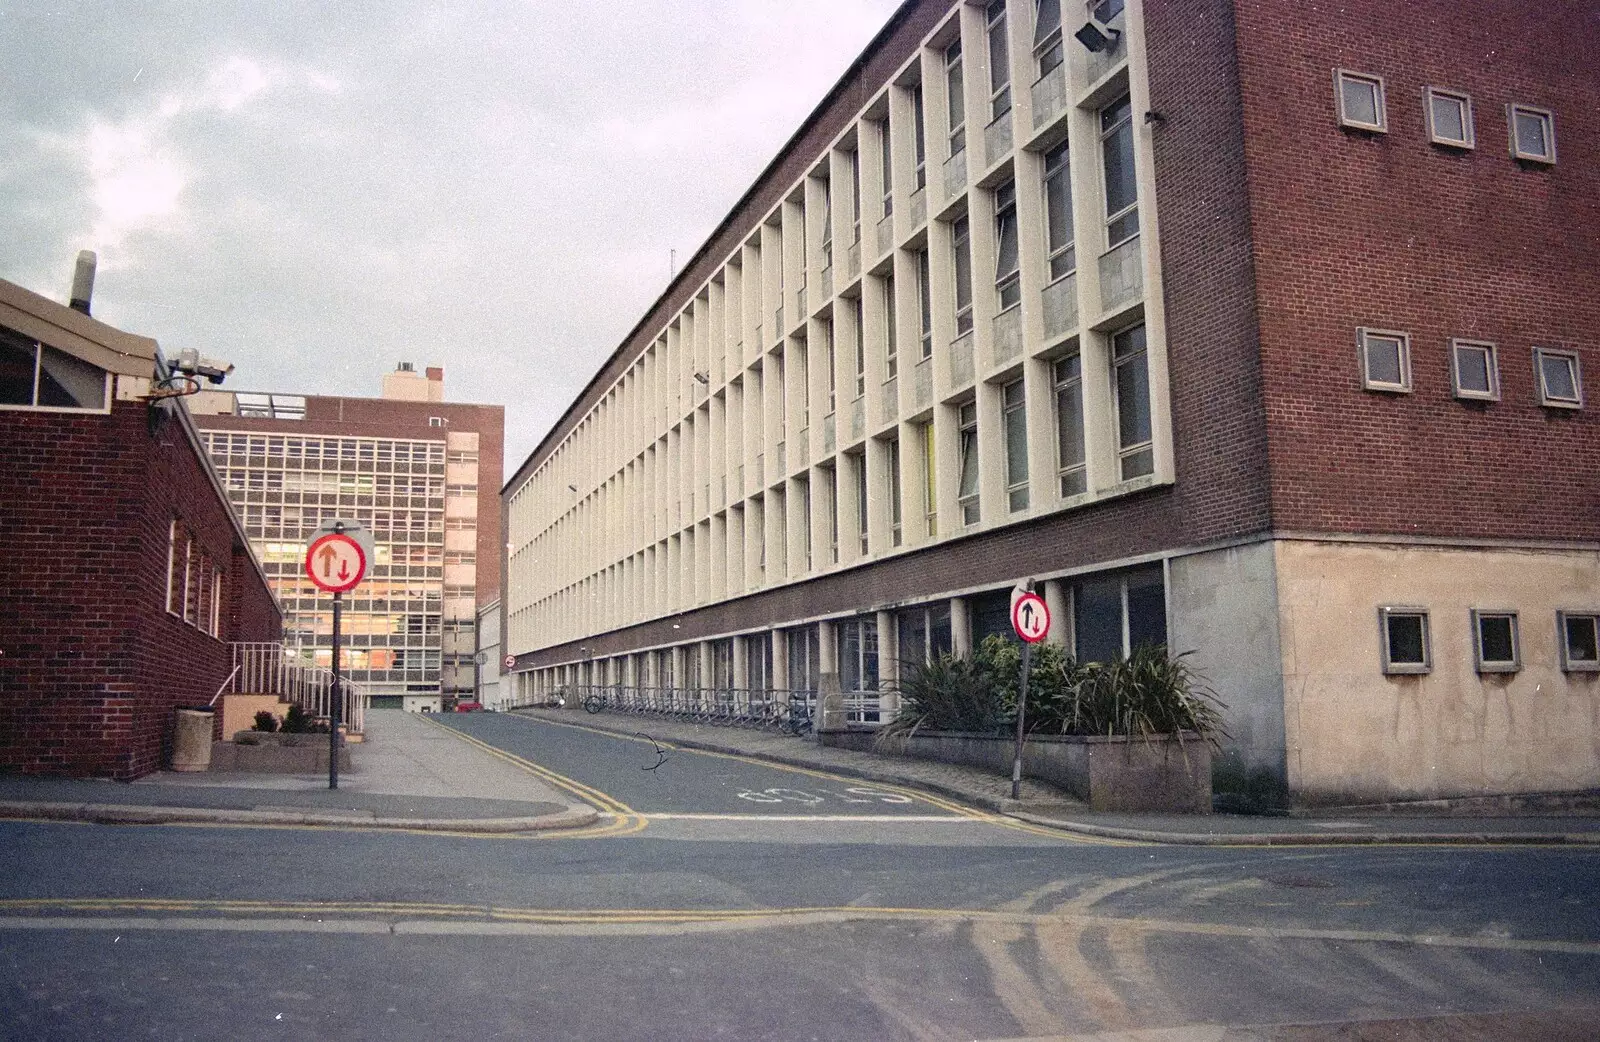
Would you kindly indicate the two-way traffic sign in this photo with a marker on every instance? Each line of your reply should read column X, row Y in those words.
column 335, row 562
column 1030, row 617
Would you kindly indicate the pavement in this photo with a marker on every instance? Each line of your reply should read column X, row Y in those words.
column 412, row 773
column 409, row 773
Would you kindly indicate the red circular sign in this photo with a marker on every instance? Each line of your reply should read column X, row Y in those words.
column 335, row 562
column 511, row 662
column 1030, row 617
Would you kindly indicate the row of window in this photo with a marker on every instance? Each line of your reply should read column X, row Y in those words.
column 1447, row 117
column 221, row 443
column 194, row 582
column 1474, row 369
column 1406, row 642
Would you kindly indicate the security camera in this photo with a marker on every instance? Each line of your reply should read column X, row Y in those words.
column 192, row 363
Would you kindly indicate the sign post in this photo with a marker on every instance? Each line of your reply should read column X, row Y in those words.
column 335, row 562
column 1030, row 618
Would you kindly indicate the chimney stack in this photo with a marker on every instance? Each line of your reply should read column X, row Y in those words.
column 83, row 281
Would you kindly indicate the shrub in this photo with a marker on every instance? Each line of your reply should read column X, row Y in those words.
column 265, row 721
column 1149, row 692
column 296, row 721
column 948, row 694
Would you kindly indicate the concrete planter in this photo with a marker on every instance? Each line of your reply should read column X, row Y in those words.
column 1107, row 773
column 273, row 753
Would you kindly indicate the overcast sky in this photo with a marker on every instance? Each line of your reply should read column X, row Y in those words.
column 315, row 191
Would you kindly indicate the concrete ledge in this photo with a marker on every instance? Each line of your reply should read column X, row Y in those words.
column 124, row 814
column 307, row 756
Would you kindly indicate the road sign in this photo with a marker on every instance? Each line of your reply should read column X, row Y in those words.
column 1030, row 617
column 511, row 662
column 335, row 562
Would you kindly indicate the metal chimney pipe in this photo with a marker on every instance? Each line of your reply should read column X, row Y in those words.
column 83, row 281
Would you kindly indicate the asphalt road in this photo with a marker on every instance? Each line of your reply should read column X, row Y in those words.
column 704, row 913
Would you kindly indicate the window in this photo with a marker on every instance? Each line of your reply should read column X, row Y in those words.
column 859, row 465
column 955, row 103
column 886, row 166
column 830, row 493
column 891, row 365
column 1560, row 378
column 1449, row 118
column 1385, row 360
column 859, row 321
column 967, row 489
column 1047, row 50
column 1014, row 410
column 1580, row 648
column 1070, row 466
column 436, row 421
column 999, row 60
column 1121, row 184
column 1403, row 633
column 36, row 376
column 894, row 491
column 1533, row 134
column 1058, row 212
column 858, row 654
column 1360, row 101
column 1474, row 371
column 1494, row 642
column 930, row 481
column 1007, row 282
column 827, row 224
column 1131, row 391
column 961, row 242
column 919, row 123
column 855, row 197
column 924, row 305
column 1113, row 614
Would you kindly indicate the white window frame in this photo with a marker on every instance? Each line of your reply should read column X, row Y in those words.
column 1464, row 102
column 38, row 364
column 1077, row 470
column 1493, row 366
column 1546, row 117
column 1482, row 665
column 1385, row 645
column 971, row 504
column 1049, row 52
column 1367, row 382
column 1007, row 284
column 955, row 102
column 961, row 256
column 1015, row 411
column 994, row 17
column 1569, row 664
column 1340, row 77
column 1575, row 365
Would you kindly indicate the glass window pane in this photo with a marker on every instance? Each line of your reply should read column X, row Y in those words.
column 1047, row 22
column 969, row 463
column 991, row 616
column 1582, row 645
column 1449, row 119
column 1147, row 608
column 1058, row 199
column 70, row 383
column 1495, row 639
column 16, row 368
column 1406, row 645
column 1472, row 369
column 1097, row 619
column 1360, row 100
column 1383, row 360
column 1560, row 382
column 963, row 265
column 1016, row 436
column 1531, row 134
column 1121, row 188
column 1133, row 391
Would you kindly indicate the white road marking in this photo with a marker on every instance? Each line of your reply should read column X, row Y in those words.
column 924, row 818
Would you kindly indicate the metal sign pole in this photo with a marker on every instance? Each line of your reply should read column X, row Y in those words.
column 1022, row 708
column 334, row 700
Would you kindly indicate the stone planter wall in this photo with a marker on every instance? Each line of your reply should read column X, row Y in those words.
column 276, row 753
column 1109, row 774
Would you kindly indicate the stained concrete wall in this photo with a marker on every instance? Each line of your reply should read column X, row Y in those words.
column 1355, row 734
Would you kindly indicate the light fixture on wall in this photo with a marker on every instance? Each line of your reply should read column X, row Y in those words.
column 1097, row 36
column 703, row 378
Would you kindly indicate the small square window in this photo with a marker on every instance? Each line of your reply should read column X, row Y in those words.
column 1360, row 100
column 1404, row 635
column 1579, row 633
column 1494, row 642
column 1449, row 118
column 1533, row 133
column 1560, row 378
column 1385, row 360
column 1474, row 370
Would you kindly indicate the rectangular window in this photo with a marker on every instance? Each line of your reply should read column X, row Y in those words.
column 1114, row 614
column 1014, row 409
column 999, row 60
column 1474, row 371
column 177, row 554
column 1047, row 49
column 920, row 142
column 1121, row 183
column 1007, row 281
column 1131, row 391
column 1360, row 99
column 827, row 224
column 967, row 487
column 894, row 491
column 1449, row 118
column 1579, row 634
column 1494, row 642
column 1560, row 378
column 855, row 197
column 956, row 103
column 216, row 603
column 833, row 370
column 1533, row 133
column 886, row 166
column 859, row 465
column 1070, row 465
column 1058, row 212
column 924, row 305
column 1385, row 360
column 830, row 489
column 1403, row 635
column 859, row 320
column 961, row 242
column 930, row 481
column 34, row 375
column 891, row 361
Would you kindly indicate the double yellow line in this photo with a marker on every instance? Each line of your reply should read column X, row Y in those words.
column 623, row 819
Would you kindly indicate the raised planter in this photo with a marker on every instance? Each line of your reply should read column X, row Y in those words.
column 261, row 752
column 1108, row 773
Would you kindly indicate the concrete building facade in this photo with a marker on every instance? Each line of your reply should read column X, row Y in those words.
column 1252, row 329
column 420, row 473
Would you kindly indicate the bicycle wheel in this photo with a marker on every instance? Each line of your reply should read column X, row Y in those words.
column 593, row 704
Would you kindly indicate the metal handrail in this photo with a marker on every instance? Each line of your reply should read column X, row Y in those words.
column 275, row 669
column 740, row 707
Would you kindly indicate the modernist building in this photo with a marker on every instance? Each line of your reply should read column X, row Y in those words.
column 1257, row 329
column 421, row 474
column 127, row 577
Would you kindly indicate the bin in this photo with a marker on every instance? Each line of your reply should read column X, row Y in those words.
column 191, row 738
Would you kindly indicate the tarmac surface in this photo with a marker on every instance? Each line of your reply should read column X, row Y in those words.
column 415, row 773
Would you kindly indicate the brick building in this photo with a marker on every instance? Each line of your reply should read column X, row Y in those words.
column 127, row 576
column 1255, row 328
column 421, row 473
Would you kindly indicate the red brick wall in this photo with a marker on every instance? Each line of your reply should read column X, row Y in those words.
column 92, row 663
column 1387, row 230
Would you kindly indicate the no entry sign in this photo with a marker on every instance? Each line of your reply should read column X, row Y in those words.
column 335, row 562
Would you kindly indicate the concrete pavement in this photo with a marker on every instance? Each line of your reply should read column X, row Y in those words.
column 410, row 773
